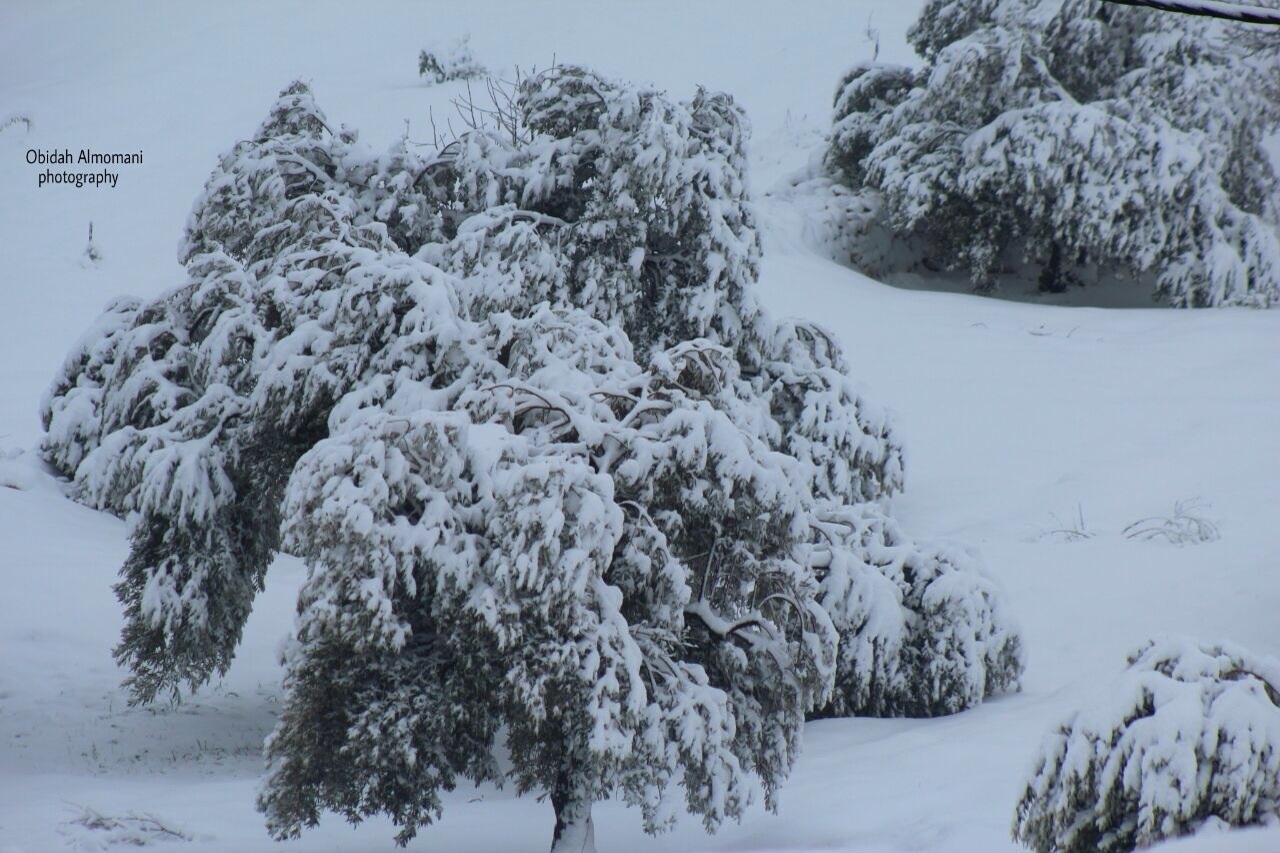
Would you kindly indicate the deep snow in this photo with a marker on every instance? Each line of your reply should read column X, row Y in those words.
column 1018, row 419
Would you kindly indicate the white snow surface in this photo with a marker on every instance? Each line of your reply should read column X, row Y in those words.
column 1035, row 432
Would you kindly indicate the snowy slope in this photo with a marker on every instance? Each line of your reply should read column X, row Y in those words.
column 1018, row 418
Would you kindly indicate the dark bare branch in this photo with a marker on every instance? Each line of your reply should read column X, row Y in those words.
column 1210, row 9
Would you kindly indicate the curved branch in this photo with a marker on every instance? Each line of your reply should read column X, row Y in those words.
column 1209, row 9
column 1272, row 693
column 723, row 628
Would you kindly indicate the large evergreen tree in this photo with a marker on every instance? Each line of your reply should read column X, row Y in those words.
column 553, row 471
column 1085, row 138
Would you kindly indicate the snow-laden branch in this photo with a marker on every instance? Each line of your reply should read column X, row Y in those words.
column 722, row 627
column 1210, row 9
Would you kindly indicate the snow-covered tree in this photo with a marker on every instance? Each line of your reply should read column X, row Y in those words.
column 1185, row 740
column 554, row 472
column 923, row 632
column 451, row 60
column 586, row 553
column 1084, row 138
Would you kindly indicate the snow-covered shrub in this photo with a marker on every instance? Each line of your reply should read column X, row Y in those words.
column 552, row 468
column 451, row 61
column 847, row 442
column 1080, row 137
column 923, row 632
column 1188, row 737
column 241, row 209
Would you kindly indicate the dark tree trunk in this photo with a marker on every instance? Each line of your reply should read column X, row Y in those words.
column 1052, row 278
column 574, row 832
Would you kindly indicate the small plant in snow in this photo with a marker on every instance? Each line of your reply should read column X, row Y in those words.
column 92, row 254
column 1071, row 530
column 451, row 61
column 14, row 120
column 132, row 829
column 1185, row 527
column 1188, row 737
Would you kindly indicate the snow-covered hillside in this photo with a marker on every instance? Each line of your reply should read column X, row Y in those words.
column 1038, row 433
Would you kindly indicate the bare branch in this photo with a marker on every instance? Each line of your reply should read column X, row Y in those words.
column 1210, row 9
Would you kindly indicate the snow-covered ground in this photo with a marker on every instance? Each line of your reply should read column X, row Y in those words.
column 1023, row 422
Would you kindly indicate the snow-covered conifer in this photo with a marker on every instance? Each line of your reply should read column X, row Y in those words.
column 1185, row 739
column 923, row 632
column 453, row 555
column 1083, row 138
column 189, row 412
column 553, row 470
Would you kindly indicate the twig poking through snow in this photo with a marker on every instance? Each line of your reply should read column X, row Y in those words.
column 92, row 254
column 1074, row 531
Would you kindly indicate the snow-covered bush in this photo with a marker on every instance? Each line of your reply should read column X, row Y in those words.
column 1188, row 737
column 1080, row 137
column 553, row 470
column 451, row 61
column 923, row 632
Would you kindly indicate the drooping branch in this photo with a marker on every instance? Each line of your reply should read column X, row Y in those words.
column 1210, row 9
column 524, row 407
column 722, row 627
column 1272, row 692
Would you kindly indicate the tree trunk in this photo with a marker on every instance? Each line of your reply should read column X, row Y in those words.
column 575, row 833
column 1052, row 277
